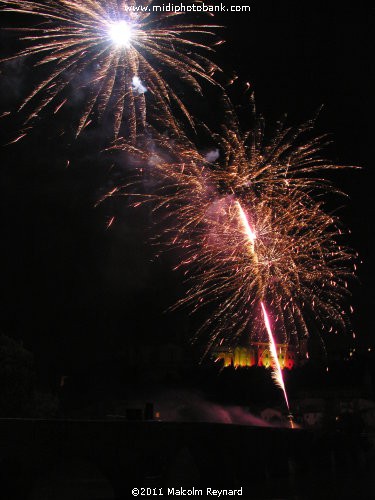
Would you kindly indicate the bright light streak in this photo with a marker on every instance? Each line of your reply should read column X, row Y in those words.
column 277, row 373
column 249, row 232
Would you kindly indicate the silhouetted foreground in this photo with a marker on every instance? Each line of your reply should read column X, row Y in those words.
column 102, row 460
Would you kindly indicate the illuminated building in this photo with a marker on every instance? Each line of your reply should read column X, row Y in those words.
column 258, row 354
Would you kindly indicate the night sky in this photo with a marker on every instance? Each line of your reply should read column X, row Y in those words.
column 77, row 293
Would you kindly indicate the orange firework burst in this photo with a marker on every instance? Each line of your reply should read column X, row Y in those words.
column 289, row 257
column 121, row 52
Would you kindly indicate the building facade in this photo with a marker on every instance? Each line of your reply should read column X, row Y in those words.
column 258, row 354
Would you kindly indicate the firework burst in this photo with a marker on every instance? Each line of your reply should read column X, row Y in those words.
column 121, row 52
column 253, row 228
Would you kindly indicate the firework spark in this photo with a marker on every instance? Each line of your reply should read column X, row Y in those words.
column 121, row 52
column 296, row 263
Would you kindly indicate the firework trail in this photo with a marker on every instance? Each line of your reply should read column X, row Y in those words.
column 276, row 369
column 250, row 233
column 277, row 373
column 121, row 52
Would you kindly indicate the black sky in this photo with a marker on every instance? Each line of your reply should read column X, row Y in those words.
column 76, row 292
